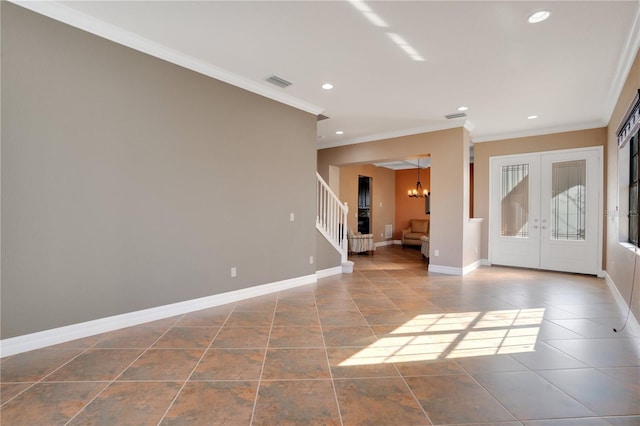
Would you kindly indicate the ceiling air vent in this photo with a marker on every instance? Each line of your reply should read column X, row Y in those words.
column 456, row 115
column 280, row 82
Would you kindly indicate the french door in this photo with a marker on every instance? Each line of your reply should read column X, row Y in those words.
column 545, row 211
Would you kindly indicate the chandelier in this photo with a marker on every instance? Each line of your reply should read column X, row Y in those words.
column 418, row 191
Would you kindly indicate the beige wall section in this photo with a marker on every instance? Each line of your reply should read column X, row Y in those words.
column 472, row 230
column 0, row 172
column 334, row 179
column 620, row 260
column 382, row 196
column 130, row 183
column 483, row 151
column 449, row 150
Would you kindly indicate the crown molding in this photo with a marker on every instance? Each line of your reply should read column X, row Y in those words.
column 627, row 57
column 540, row 132
column 69, row 16
column 450, row 124
column 469, row 125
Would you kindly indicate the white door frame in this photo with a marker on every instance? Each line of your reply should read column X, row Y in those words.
column 494, row 214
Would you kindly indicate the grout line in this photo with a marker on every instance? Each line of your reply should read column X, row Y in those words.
column 107, row 384
column 46, row 375
column 398, row 371
column 32, row 384
column 264, row 360
column 326, row 354
column 415, row 398
column 92, row 346
column 536, row 372
column 194, row 367
column 471, row 376
column 124, row 369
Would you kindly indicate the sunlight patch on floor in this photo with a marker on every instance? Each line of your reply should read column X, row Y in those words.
column 455, row 335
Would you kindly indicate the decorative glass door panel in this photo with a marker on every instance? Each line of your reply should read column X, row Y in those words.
column 514, row 184
column 514, row 223
column 545, row 211
column 568, row 202
column 571, row 239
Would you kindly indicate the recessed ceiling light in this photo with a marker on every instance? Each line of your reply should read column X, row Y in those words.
column 539, row 16
column 327, row 86
column 532, row 117
column 339, row 132
column 463, row 108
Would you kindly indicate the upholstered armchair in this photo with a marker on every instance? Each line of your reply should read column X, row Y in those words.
column 412, row 236
column 425, row 247
column 360, row 243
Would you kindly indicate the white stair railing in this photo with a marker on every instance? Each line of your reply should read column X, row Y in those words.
column 331, row 218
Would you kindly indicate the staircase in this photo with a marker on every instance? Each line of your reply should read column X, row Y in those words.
column 331, row 220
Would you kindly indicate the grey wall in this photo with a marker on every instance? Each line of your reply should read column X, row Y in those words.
column 129, row 182
column 326, row 256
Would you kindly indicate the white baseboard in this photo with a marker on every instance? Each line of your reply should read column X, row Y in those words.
column 449, row 270
column 384, row 243
column 329, row 272
column 633, row 325
column 347, row 267
column 475, row 265
column 41, row 339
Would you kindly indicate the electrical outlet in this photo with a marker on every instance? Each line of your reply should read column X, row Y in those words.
column 292, row 217
column 436, row 252
column 234, row 272
column 310, row 260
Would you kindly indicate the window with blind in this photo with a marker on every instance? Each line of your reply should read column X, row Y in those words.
column 627, row 133
column 634, row 217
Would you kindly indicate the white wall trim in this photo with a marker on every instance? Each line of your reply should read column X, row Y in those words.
column 472, row 267
column 347, row 267
column 632, row 324
column 385, row 243
column 625, row 63
column 323, row 273
column 69, row 16
column 449, row 270
column 28, row 342
column 433, row 127
column 596, row 124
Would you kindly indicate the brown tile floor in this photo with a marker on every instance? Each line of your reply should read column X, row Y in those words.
column 390, row 344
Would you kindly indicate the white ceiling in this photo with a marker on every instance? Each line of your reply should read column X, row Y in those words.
column 422, row 162
column 484, row 55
